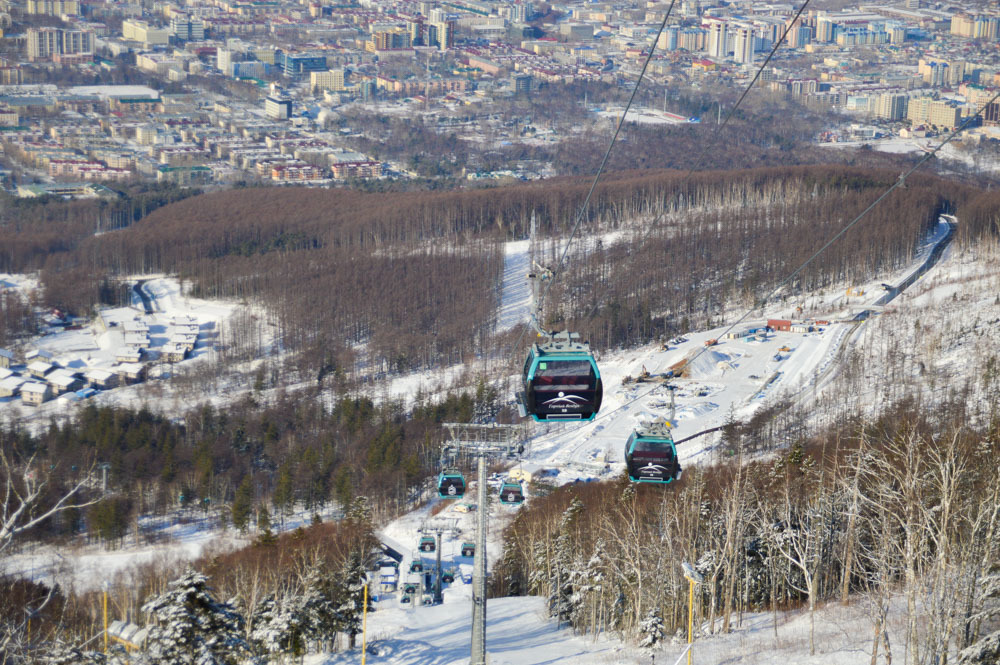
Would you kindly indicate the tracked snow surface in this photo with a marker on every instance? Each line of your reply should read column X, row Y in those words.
column 734, row 377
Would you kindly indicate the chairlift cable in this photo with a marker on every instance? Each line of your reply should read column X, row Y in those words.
column 593, row 185
column 621, row 122
column 900, row 181
column 541, row 284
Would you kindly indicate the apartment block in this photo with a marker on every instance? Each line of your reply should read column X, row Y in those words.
column 141, row 31
column 43, row 43
column 891, row 106
column 328, row 80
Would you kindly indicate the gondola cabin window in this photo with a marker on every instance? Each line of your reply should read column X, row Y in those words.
column 554, row 375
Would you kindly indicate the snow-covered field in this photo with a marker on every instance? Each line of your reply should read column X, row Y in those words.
column 644, row 116
column 955, row 150
column 99, row 344
column 519, row 632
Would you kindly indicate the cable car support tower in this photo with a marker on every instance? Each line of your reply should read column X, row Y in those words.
column 483, row 442
column 437, row 527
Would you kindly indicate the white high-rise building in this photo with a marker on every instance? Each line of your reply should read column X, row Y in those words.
column 891, row 106
column 743, row 45
column 718, row 40
column 224, row 61
column 669, row 39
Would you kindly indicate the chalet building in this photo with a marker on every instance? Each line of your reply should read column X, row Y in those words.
column 779, row 324
column 129, row 373
column 174, row 353
column 102, row 379
column 40, row 369
column 186, row 340
column 135, row 326
column 137, row 340
column 6, row 358
column 11, row 386
column 185, row 328
column 64, row 381
column 128, row 356
column 38, row 354
column 33, row 393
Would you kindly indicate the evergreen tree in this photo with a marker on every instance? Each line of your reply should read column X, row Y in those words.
column 283, row 496
column 343, row 486
column 350, row 605
column 538, row 581
column 617, row 618
column 64, row 654
column 192, row 627
column 317, row 606
column 562, row 603
column 984, row 652
column 652, row 629
column 586, row 582
column 359, row 512
column 277, row 627
column 264, row 521
column 243, row 505
column 510, row 570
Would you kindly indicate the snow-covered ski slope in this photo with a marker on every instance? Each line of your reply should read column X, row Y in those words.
column 734, row 377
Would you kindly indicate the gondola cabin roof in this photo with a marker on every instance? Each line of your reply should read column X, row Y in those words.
column 559, row 347
column 659, row 430
column 552, row 351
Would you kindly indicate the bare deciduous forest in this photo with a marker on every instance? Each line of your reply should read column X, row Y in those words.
column 899, row 504
column 903, row 505
column 415, row 276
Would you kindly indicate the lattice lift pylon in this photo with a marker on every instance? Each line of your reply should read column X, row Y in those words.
column 483, row 442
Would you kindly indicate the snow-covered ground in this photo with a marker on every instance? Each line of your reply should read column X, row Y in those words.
column 164, row 540
column 519, row 632
column 954, row 150
column 643, row 116
column 735, row 376
column 515, row 293
column 98, row 345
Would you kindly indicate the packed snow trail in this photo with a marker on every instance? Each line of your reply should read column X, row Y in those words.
column 515, row 296
column 518, row 632
column 734, row 378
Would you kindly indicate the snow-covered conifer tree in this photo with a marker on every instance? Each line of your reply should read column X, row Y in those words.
column 350, row 602
column 278, row 627
column 192, row 627
column 318, row 607
column 561, row 597
column 652, row 629
column 64, row 654
column 984, row 652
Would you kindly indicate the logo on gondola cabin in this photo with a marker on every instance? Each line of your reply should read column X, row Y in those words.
column 452, row 489
column 564, row 400
column 653, row 470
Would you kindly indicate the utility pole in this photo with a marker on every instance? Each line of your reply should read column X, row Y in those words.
column 104, row 466
column 479, row 573
column 694, row 578
column 438, row 596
